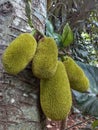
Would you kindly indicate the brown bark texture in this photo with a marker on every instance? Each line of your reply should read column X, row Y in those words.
column 19, row 95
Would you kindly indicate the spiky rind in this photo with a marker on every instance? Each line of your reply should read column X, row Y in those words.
column 78, row 79
column 44, row 64
column 55, row 94
column 19, row 53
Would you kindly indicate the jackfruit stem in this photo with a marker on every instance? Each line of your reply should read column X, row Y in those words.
column 38, row 35
column 63, row 58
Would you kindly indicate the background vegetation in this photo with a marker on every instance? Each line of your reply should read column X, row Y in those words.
column 82, row 17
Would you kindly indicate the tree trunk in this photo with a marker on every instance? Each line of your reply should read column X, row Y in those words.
column 19, row 95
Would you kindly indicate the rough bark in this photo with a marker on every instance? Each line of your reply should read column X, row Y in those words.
column 19, row 95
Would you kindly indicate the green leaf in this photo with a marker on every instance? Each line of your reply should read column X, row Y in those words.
column 67, row 36
column 57, row 38
column 50, row 32
column 95, row 124
column 65, row 32
column 49, row 27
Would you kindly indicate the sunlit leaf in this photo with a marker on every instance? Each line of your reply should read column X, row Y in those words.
column 67, row 36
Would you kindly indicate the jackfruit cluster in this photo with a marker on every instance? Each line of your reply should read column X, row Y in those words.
column 77, row 78
column 44, row 63
column 56, row 77
column 19, row 53
column 55, row 94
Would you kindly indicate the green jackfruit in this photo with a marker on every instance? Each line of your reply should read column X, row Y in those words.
column 55, row 94
column 77, row 77
column 19, row 53
column 44, row 64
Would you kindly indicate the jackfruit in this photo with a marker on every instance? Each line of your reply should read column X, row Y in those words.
column 19, row 53
column 77, row 78
column 55, row 94
column 44, row 63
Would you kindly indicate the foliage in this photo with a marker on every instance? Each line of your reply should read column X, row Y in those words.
column 63, row 40
column 50, row 32
column 67, row 35
column 82, row 17
column 95, row 124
